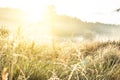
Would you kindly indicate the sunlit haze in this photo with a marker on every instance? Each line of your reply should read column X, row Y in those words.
column 39, row 22
column 87, row 10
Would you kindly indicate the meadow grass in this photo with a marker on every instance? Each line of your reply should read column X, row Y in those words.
column 22, row 59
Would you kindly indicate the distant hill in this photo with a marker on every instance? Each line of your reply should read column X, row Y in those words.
column 63, row 25
column 11, row 14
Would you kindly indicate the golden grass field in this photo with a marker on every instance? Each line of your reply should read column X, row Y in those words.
column 24, row 59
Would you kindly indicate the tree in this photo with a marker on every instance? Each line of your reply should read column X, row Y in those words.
column 117, row 10
column 50, row 13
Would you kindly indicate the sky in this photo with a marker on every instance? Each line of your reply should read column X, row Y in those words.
column 87, row 10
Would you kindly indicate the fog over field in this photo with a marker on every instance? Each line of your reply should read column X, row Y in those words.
column 58, row 25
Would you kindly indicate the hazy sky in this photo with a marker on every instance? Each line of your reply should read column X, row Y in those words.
column 90, row 10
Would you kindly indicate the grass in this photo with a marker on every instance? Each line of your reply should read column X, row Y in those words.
column 24, row 59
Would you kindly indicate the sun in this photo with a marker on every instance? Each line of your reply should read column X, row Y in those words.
column 34, row 10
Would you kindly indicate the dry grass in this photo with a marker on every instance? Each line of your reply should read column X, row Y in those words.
column 4, row 74
column 28, row 60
